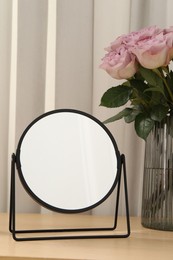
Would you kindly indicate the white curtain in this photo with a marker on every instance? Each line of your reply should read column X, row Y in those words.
column 50, row 51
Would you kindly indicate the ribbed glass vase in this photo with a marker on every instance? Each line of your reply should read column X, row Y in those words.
column 157, row 200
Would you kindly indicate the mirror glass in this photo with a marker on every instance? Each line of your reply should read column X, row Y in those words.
column 67, row 160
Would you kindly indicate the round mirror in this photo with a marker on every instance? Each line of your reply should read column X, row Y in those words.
column 68, row 161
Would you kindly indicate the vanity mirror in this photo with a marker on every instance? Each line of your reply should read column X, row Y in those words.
column 68, row 162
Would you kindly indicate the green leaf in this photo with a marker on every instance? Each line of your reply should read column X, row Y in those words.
column 157, row 98
column 151, row 77
column 155, row 89
column 126, row 83
column 143, row 125
column 118, row 116
column 116, row 96
column 169, row 80
column 158, row 112
column 140, row 85
column 138, row 76
column 131, row 116
column 139, row 94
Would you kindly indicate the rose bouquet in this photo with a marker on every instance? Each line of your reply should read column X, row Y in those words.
column 142, row 58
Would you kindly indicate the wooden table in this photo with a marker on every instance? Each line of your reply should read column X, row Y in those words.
column 142, row 244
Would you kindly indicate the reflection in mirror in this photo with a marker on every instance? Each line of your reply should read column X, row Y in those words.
column 68, row 161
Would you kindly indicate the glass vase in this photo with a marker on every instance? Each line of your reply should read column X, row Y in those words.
column 157, row 198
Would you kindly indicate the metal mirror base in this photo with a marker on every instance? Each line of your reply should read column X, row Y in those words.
column 16, row 233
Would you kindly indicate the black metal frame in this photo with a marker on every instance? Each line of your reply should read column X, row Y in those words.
column 29, row 189
column 12, row 214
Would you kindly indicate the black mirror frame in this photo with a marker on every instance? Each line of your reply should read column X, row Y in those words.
column 29, row 190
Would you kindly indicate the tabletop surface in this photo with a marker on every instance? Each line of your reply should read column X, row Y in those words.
column 141, row 244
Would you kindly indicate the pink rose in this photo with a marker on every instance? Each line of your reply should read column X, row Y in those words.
column 119, row 63
column 131, row 39
column 150, row 47
column 153, row 52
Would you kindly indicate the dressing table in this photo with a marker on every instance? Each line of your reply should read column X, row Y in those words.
column 141, row 244
column 69, row 163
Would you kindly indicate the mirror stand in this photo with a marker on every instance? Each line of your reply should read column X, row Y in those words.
column 76, row 235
